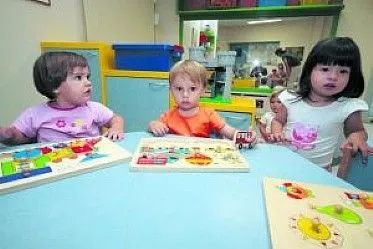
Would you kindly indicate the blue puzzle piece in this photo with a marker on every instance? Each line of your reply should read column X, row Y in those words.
column 31, row 173
column 93, row 156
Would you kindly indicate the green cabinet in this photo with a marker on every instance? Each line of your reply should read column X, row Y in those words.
column 137, row 100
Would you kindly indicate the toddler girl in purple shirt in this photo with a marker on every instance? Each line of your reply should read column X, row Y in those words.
column 63, row 77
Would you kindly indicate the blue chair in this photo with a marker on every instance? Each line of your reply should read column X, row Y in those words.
column 352, row 170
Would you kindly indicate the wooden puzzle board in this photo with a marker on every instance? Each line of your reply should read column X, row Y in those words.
column 24, row 167
column 285, row 231
column 187, row 154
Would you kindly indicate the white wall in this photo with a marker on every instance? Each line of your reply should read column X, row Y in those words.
column 167, row 29
column 120, row 20
column 23, row 24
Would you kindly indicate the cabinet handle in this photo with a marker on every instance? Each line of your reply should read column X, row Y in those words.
column 236, row 118
column 159, row 84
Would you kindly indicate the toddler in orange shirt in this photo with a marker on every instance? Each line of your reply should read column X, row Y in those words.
column 188, row 80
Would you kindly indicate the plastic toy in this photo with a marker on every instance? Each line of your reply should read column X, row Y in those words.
column 244, row 139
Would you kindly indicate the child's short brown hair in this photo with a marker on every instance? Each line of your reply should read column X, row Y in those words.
column 195, row 71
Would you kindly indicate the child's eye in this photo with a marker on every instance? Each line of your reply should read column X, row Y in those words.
column 325, row 69
column 193, row 88
column 343, row 71
column 179, row 89
column 78, row 77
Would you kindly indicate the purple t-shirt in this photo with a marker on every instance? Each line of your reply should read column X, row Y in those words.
column 51, row 124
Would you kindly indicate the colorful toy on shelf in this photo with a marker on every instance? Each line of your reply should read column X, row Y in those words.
column 24, row 167
column 187, row 154
column 210, row 35
column 223, row 3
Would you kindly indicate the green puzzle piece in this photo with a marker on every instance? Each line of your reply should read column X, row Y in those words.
column 345, row 215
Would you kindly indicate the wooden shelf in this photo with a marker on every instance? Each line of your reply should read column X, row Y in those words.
column 257, row 12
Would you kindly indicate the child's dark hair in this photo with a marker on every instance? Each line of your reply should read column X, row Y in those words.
column 52, row 68
column 340, row 51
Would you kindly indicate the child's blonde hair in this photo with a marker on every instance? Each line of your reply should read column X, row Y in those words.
column 275, row 94
column 194, row 70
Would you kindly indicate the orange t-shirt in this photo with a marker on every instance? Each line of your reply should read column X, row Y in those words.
column 202, row 124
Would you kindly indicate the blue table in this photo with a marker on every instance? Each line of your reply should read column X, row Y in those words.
column 114, row 208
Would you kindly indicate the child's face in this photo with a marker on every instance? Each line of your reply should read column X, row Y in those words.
column 186, row 92
column 76, row 89
column 275, row 104
column 327, row 81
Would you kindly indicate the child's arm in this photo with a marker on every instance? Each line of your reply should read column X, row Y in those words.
column 277, row 124
column 263, row 131
column 12, row 136
column 277, row 132
column 356, row 135
column 115, row 128
column 158, row 128
column 227, row 131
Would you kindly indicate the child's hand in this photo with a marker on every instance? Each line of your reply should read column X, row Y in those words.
column 357, row 142
column 115, row 129
column 277, row 137
column 254, row 138
column 6, row 133
column 11, row 136
column 158, row 128
column 114, row 134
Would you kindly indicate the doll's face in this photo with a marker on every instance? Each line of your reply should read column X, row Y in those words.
column 75, row 90
column 275, row 104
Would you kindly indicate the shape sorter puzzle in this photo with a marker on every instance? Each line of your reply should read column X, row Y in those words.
column 187, row 154
column 302, row 215
column 24, row 167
